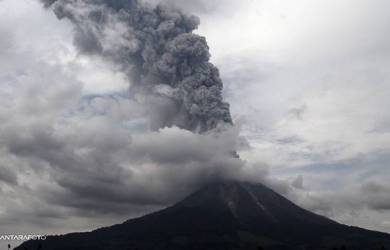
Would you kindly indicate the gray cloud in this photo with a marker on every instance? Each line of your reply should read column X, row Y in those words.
column 353, row 191
column 8, row 176
column 114, row 171
column 201, row 6
column 377, row 194
column 155, row 46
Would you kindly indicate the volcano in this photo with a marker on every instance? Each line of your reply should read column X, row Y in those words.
column 226, row 215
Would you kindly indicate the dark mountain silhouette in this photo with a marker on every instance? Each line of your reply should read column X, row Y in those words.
column 229, row 215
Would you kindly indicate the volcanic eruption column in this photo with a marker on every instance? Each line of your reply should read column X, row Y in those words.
column 154, row 46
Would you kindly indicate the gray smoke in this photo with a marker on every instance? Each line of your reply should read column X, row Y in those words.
column 168, row 66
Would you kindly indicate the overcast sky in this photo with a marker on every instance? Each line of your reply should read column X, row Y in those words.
column 307, row 81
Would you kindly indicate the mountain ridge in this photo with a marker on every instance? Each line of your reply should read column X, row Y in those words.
column 224, row 215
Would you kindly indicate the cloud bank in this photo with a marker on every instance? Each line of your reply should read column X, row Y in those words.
column 78, row 144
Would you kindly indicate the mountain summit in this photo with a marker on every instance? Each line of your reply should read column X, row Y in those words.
column 226, row 215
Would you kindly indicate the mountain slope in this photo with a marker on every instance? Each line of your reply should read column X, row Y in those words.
column 229, row 215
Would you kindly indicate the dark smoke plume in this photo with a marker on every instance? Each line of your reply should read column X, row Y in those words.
column 167, row 64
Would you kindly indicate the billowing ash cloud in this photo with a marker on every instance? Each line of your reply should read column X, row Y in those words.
column 168, row 66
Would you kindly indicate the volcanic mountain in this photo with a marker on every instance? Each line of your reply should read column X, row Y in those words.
column 227, row 215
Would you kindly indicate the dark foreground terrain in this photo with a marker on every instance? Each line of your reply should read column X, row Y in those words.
column 231, row 215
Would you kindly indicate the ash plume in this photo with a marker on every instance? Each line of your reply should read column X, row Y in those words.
column 168, row 65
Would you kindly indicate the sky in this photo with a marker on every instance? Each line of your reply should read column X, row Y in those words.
column 308, row 86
